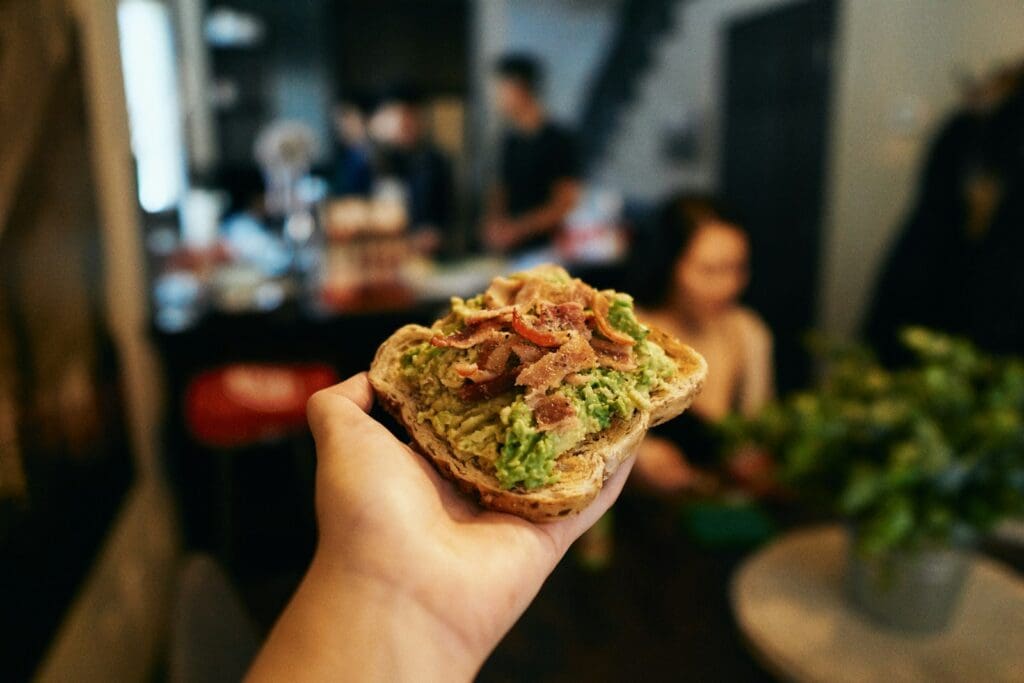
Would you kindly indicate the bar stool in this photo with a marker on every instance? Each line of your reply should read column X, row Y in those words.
column 237, row 408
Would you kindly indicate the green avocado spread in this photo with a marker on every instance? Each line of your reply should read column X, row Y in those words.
column 501, row 432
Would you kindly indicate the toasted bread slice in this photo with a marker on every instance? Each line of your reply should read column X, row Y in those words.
column 581, row 471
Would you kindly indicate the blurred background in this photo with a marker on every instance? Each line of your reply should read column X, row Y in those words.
column 209, row 209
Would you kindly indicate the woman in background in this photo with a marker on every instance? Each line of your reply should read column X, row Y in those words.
column 700, row 304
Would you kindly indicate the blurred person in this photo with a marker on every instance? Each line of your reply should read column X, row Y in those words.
column 403, row 151
column 956, row 264
column 700, row 304
column 351, row 174
column 539, row 181
column 410, row 579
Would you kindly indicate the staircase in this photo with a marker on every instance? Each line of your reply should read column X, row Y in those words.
column 614, row 86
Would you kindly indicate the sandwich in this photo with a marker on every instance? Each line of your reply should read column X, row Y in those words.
column 530, row 395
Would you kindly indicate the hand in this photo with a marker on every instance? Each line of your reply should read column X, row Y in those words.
column 754, row 471
column 410, row 579
column 501, row 234
column 661, row 467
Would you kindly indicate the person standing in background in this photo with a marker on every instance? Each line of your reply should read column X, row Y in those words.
column 403, row 151
column 351, row 174
column 539, row 179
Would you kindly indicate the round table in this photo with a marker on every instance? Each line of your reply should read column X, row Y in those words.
column 789, row 602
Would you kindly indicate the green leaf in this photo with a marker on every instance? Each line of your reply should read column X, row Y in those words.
column 863, row 487
column 888, row 527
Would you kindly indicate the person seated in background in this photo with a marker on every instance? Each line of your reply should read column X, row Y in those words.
column 706, row 271
column 351, row 174
column 404, row 152
column 539, row 179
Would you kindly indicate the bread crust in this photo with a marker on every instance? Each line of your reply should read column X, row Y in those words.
column 582, row 471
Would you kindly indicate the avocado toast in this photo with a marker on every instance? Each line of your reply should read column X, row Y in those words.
column 531, row 394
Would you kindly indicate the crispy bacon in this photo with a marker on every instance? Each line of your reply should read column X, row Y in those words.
column 534, row 334
column 544, row 289
column 495, row 387
column 501, row 292
column 553, row 412
column 545, row 322
column 465, row 369
column 614, row 356
column 495, row 357
column 471, row 336
column 567, row 316
column 503, row 314
column 550, row 370
column 525, row 351
column 601, row 307
column 474, row 373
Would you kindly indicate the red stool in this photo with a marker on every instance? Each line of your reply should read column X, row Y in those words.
column 242, row 404
column 232, row 408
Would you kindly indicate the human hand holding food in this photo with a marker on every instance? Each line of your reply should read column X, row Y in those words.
column 410, row 580
column 531, row 394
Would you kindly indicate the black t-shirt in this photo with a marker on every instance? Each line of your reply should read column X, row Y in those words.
column 428, row 177
column 531, row 165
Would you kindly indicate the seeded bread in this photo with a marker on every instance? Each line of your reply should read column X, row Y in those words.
column 581, row 471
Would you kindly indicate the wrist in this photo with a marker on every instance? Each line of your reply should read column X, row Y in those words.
column 383, row 625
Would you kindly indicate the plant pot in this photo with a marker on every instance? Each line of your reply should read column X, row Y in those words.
column 915, row 591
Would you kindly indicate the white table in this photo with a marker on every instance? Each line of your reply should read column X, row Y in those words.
column 789, row 601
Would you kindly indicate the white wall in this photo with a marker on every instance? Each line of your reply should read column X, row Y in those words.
column 684, row 82
column 894, row 81
column 569, row 36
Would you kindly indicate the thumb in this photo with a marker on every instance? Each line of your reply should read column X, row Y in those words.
column 346, row 402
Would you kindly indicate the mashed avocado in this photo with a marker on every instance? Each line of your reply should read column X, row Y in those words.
column 501, row 432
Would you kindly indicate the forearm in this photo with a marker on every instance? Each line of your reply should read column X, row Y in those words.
column 495, row 206
column 540, row 221
column 342, row 625
column 548, row 217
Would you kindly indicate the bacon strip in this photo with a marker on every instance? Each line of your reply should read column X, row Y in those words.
column 535, row 334
column 501, row 292
column 495, row 387
column 504, row 314
column 525, row 351
column 542, row 289
column 601, row 307
column 567, row 316
column 471, row 336
column 549, row 371
column 553, row 412
column 614, row 356
column 474, row 373
column 495, row 358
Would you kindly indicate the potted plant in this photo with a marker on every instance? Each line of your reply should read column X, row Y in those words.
column 919, row 461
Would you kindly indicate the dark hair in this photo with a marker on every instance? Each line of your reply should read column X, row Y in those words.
column 400, row 93
column 359, row 100
column 679, row 219
column 522, row 68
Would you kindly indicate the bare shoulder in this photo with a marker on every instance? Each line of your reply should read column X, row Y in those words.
column 751, row 326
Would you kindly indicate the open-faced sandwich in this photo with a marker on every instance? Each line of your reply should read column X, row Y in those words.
column 531, row 394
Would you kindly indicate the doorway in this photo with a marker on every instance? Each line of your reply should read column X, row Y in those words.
column 778, row 74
